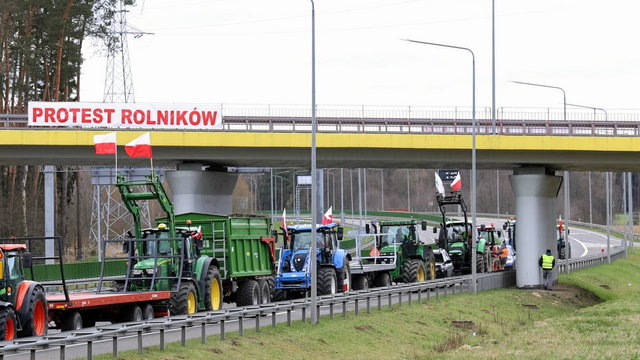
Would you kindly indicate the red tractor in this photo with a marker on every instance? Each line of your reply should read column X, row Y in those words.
column 23, row 305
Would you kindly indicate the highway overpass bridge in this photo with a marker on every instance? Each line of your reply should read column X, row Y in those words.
column 533, row 147
column 442, row 140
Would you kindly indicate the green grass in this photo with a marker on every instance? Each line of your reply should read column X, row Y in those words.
column 593, row 314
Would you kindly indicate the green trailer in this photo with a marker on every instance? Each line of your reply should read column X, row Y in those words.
column 243, row 250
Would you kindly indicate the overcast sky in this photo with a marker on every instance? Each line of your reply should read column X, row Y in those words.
column 259, row 52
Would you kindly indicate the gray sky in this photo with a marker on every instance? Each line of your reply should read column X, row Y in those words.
column 259, row 52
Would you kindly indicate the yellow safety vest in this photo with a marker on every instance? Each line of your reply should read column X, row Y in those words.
column 547, row 262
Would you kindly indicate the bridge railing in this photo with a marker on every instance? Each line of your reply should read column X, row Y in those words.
column 412, row 119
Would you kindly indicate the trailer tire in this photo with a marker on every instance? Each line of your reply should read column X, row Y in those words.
column 132, row 314
column 327, row 281
column 148, row 313
column 345, row 274
column 213, row 289
column 35, row 320
column 72, row 321
column 248, row 293
column 8, row 324
column 414, row 271
column 383, row 279
column 265, row 291
column 360, row 282
column 185, row 301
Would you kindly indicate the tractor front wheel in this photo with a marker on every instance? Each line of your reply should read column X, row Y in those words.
column 327, row 281
column 185, row 301
column 35, row 318
column 7, row 324
column 414, row 271
column 213, row 289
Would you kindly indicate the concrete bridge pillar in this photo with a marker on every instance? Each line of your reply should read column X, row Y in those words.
column 195, row 190
column 535, row 190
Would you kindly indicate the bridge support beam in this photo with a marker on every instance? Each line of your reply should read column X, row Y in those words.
column 535, row 190
column 195, row 190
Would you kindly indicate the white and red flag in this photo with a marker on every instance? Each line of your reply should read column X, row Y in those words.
column 105, row 143
column 284, row 223
column 140, row 146
column 456, row 184
column 327, row 218
column 439, row 185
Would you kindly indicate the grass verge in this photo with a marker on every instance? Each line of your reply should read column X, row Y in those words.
column 592, row 314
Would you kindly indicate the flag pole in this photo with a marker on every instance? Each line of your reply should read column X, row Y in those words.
column 116, row 156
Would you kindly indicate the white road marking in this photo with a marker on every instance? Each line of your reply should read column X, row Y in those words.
column 586, row 251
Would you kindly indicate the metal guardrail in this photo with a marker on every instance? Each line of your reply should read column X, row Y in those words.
column 411, row 119
column 363, row 300
column 367, row 299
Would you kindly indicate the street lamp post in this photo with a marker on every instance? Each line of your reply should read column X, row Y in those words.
column 314, row 125
column 474, row 233
column 564, row 94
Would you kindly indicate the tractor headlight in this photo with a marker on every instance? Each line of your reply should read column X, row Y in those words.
column 137, row 272
column 150, row 271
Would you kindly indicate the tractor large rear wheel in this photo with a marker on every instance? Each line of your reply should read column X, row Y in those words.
column 185, row 301
column 7, row 324
column 248, row 293
column 479, row 263
column 213, row 289
column 35, row 320
column 414, row 271
column 327, row 281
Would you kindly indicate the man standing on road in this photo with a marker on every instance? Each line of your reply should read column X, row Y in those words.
column 547, row 263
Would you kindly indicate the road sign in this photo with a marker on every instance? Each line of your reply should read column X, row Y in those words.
column 448, row 175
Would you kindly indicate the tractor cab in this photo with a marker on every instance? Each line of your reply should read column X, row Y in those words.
column 13, row 259
column 490, row 234
column 327, row 237
column 160, row 254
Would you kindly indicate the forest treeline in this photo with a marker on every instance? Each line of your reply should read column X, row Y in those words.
column 41, row 60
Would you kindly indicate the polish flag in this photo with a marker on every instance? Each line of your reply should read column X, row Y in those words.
column 439, row 185
column 140, row 146
column 328, row 216
column 105, row 144
column 456, row 184
column 284, row 223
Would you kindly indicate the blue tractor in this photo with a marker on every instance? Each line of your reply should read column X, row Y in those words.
column 293, row 278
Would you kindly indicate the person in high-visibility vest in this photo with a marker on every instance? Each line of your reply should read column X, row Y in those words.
column 547, row 263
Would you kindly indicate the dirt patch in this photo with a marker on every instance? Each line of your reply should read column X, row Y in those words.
column 364, row 327
column 573, row 294
column 464, row 324
column 422, row 323
column 216, row 350
column 235, row 342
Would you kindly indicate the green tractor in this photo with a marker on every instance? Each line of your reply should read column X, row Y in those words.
column 168, row 257
column 415, row 261
column 455, row 236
